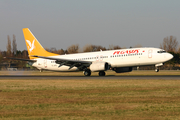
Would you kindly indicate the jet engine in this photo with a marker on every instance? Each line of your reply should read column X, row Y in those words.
column 99, row 66
column 122, row 69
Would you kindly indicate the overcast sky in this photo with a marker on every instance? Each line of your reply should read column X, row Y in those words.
column 61, row 23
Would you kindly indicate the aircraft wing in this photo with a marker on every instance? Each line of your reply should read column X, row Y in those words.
column 71, row 63
column 20, row 59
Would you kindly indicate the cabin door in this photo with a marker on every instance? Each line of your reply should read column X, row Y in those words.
column 150, row 53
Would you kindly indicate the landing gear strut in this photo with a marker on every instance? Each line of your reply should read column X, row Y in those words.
column 157, row 69
column 157, row 65
column 102, row 73
column 87, row 72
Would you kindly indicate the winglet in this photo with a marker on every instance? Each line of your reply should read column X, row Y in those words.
column 33, row 45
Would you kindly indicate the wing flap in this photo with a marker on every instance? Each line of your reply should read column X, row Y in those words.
column 67, row 62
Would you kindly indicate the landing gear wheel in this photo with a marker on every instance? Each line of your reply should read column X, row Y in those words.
column 157, row 70
column 87, row 72
column 102, row 73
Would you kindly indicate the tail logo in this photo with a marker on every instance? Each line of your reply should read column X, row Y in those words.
column 31, row 46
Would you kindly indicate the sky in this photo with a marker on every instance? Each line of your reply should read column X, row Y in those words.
column 62, row 23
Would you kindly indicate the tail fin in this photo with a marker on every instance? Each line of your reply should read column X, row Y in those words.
column 33, row 46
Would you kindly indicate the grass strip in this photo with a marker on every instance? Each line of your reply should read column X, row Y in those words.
column 89, row 99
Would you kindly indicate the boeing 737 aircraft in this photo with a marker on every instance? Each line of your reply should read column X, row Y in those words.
column 120, row 61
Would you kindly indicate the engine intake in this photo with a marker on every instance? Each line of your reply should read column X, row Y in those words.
column 99, row 66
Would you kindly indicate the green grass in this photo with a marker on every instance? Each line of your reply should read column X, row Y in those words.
column 89, row 99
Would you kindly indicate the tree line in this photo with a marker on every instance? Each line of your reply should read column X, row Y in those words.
column 170, row 44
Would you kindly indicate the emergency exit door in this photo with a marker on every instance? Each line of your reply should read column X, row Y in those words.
column 45, row 63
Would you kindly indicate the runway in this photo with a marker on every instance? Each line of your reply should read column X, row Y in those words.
column 37, row 77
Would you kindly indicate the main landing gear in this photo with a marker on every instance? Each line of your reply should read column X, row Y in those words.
column 87, row 72
column 102, row 73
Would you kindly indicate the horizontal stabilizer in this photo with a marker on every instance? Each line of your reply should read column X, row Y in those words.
column 20, row 59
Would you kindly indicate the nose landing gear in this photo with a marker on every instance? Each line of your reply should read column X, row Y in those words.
column 157, row 65
column 156, row 70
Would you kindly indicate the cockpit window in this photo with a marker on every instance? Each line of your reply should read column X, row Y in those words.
column 161, row 51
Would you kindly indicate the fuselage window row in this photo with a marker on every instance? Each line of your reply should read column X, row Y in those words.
column 104, row 57
column 125, row 55
column 101, row 57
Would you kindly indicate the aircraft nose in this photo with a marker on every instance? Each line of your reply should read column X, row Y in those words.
column 169, row 56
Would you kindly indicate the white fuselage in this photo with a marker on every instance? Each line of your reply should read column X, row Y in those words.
column 116, row 58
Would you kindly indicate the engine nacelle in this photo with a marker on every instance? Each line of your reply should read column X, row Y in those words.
column 122, row 69
column 99, row 66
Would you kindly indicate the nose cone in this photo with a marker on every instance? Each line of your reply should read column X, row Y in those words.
column 169, row 56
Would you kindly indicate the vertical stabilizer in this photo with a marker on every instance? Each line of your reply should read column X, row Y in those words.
column 33, row 46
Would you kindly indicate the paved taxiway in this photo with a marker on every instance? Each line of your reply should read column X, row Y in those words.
column 30, row 77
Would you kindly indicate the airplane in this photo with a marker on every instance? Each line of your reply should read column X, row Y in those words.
column 120, row 61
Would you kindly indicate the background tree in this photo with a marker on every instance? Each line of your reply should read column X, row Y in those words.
column 169, row 44
column 88, row 48
column 112, row 47
column 53, row 50
column 178, row 50
column 92, row 48
column 138, row 46
column 98, row 48
column 47, row 49
column 61, row 52
column 25, row 54
column 117, row 47
column 14, row 45
column 175, row 59
column 18, row 54
column 73, row 49
column 0, row 56
column 8, row 46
